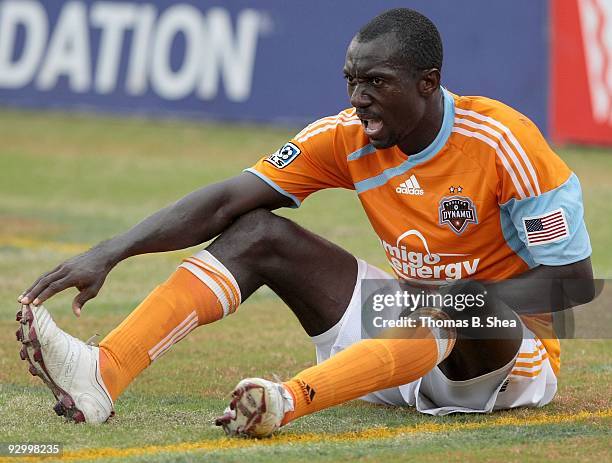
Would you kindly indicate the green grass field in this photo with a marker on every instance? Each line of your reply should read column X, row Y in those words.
column 67, row 182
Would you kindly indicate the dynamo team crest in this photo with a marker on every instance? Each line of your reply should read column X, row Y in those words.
column 457, row 212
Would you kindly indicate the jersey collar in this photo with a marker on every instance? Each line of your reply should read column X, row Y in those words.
column 422, row 156
column 442, row 137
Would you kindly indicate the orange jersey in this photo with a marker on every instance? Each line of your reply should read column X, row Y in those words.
column 487, row 199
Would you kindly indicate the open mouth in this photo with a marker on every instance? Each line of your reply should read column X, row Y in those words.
column 372, row 127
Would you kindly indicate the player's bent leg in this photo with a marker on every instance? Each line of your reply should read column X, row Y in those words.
column 404, row 355
column 313, row 276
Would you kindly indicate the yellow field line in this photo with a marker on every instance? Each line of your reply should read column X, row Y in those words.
column 308, row 438
column 30, row 243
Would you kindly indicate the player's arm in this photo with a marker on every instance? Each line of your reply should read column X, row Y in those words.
column 548, row 288
column 194, row 219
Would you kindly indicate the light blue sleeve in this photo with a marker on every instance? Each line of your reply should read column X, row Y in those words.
column 573, row 246
column 296, row 202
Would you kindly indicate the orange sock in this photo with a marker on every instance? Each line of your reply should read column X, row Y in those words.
column 367, row 366
column 201, row 291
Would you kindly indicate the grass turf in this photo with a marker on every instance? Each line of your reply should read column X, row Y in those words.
column 67, row 182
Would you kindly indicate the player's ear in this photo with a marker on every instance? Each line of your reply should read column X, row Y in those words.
column 429, row 82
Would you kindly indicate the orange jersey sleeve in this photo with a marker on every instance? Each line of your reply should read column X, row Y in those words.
column 313, row 160
column 525, row 164
column 539, row 197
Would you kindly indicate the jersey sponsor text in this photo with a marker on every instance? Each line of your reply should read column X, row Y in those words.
column 410, row 264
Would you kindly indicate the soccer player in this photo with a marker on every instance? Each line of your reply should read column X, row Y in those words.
column 455, row 187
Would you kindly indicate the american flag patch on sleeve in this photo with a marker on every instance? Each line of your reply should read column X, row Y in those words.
column 546, row 228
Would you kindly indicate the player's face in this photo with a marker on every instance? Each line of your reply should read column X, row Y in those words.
column 386, row 93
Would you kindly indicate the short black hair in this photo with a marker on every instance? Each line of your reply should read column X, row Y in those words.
column 419, row 40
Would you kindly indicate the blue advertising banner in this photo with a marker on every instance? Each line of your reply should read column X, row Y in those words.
column 266, row 60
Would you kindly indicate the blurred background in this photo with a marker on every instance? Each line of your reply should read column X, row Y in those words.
column 275, row 61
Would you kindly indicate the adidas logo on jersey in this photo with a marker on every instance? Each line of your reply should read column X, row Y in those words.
column 410, row 187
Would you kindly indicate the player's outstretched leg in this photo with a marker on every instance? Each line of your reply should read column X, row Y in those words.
column 68, row 366
column 315, row 278
column 259, row 407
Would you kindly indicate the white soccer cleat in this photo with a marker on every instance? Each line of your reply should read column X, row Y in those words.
column 257, row 408
column 68, row 366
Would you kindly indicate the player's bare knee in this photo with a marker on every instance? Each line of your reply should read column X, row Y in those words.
column 256, row 234
column 265, row 229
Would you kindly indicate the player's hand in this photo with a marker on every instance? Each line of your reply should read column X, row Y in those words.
column 86, row 272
